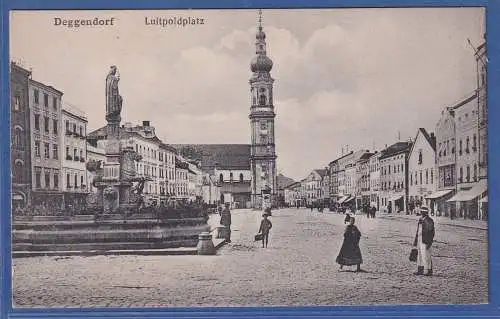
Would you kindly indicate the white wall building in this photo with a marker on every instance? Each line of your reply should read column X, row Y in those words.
column 422, row 171
column 74, row 145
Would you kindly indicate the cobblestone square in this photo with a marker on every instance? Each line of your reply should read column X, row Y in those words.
column 298, row 268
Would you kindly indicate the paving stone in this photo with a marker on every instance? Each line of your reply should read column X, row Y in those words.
column 298, row 268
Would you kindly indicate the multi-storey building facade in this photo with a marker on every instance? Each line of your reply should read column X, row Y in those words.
column 482, row 110
column 74, row 146
column 363, row 180
column 469, row 190
column 446, row 162
column 166, row 157
column 45, row 114
column 422, row 171
column 195, row 181
column 374, row 177
column 292, row 194
column 313, row 186
column 263, row 155
column 394, row 177
column 181, row 178
column 337, row 178
column 20, row 138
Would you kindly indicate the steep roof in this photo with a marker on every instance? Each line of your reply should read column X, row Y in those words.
column 283, row 181
column 224, row 156
column 396, row 148
column 321, row 172
column 431, row 140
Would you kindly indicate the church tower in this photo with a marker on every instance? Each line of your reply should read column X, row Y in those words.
column 263, row 155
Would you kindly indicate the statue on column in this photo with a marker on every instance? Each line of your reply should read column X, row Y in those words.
column 113, row 97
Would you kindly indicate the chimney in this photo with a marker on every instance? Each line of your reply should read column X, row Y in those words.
column 145, row 123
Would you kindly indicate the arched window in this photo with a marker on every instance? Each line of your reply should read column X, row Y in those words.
column 474, row 143
column 76, row 180
column 230, row 177
column 467, row 177
column 221, row 178
column 241, row 177
column 475, row 172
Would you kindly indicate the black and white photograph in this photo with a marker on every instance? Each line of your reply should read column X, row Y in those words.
column 249, row 157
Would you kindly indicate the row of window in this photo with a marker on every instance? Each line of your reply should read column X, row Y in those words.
column 72, row 128
column 46, row 124
column 154, row 154
column 51, row 179
column 76, row 156
column 386, row 170
column 444, row 147
column 231, row 177
column 396, row 185
column 36, row 98
column 468, row 178
column 46, row 150
column 75, row 181
column 414, row 177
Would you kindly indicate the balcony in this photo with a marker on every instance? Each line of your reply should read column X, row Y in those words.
column 69, row 158
column 82, row 159
column 77, row 158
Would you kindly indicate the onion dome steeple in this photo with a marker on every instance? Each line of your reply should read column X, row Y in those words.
column 261, row 63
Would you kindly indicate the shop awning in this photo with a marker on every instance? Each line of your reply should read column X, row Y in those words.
column 484, row 199
column 345, row 199
column 439, row 194
column 395, row 197
column 474, row 192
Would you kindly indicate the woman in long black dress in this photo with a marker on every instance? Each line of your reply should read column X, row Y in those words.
column 350, row 254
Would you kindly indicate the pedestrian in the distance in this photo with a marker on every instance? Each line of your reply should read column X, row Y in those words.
column 265, row 227
column 225, row 220
column 423, row 240
column 350, row 254
column 373, row 211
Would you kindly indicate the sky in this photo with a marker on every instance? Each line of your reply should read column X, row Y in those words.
column 344, row 78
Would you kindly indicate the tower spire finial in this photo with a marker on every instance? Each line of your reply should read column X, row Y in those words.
column 260, row 18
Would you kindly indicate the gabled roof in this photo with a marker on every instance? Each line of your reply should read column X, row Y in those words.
column 222, row 156
column 396, row 148
column 321, row 172
column 335, row 160
column 283, row 181
column 293, row 185
column 429, row 139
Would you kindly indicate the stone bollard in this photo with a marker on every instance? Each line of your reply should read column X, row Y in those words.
column 221, row 231
column 205, row 244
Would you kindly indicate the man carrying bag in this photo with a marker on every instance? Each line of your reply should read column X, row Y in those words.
column 423, row 242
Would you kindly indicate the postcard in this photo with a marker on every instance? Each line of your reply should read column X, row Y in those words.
column 249, row 157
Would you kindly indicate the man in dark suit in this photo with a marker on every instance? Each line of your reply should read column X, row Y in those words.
column 424, row 240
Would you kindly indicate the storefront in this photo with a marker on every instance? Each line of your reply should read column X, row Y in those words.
column 468, row 202
column 437, row 202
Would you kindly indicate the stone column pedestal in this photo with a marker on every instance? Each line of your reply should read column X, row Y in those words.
column 205, row 244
